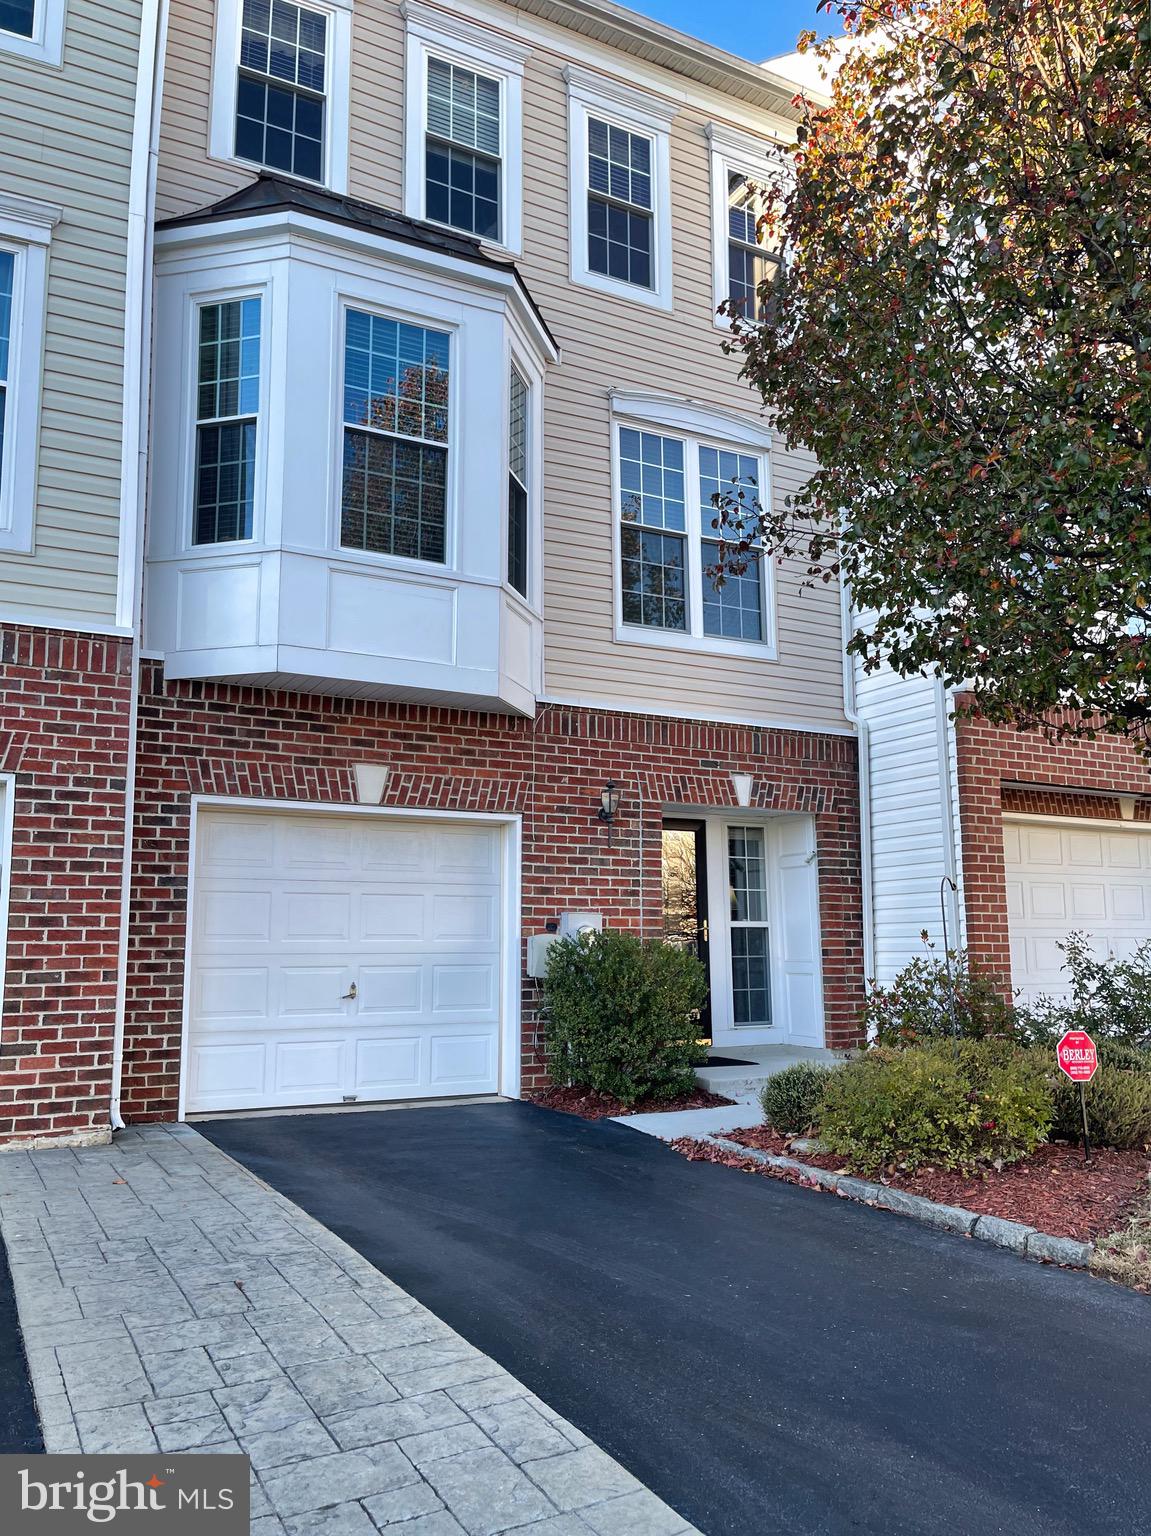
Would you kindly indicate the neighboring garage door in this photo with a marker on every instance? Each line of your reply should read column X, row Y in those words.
column 340, row 958
column 1064, row 878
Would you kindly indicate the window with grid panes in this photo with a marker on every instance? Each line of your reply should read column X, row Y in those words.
column 621, row 221
column 463, row 170
column 748, row 264
column 653, row 536
column 394, row 497
column 518, row 483
column 227, row 410
column 733, row 609
column 7, row 284
column 18, row 17
column 281, row 90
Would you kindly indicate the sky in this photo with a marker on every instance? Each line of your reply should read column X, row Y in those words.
column 756, row 31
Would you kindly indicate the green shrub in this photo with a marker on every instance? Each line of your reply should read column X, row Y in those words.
column 621, row 1015
column 792, row 1098
column 1110, row 998
column 951, row 1105
column 934, row 998
column 1118, row 1107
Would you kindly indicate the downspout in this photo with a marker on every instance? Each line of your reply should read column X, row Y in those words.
column 137, row 396
column 947, row 815
column 851, row 710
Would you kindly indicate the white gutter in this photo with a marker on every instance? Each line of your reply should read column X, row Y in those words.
column 850, row 709
column 134, row 473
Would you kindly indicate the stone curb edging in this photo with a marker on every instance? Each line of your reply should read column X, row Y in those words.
column 1012, row 1235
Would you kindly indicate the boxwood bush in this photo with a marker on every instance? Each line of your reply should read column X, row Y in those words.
column 792, row 1099
column 621, row 1015
column 948, row 1105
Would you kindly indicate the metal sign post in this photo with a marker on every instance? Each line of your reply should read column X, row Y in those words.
column 1079, row 1060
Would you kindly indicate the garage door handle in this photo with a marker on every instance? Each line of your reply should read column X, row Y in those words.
column 350, row 994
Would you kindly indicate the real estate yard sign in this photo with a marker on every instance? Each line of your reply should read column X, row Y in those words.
column 1078, row 1058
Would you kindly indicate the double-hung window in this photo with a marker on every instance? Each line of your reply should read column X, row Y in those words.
column 395, row 456
column 463, row 125
column 681, row 502
column 749, row 263
column 34, row 29
column 464, row 146
column 744, row 262
column 518, row 428
column 282, row 86
column 7, row 285
column 227, row 415
column 25, row 238
column 620, row 189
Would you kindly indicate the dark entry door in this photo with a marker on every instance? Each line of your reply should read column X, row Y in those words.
column 685, row 895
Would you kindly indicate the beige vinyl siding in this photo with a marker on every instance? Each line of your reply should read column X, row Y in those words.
column 608, row 343
column 65, row 138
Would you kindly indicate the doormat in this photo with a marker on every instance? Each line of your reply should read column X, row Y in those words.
column 728, row 1061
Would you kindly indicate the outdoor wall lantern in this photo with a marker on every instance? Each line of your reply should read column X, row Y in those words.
column 608, row 802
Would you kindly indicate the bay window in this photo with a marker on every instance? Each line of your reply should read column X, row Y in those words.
column 518, row 428
column 227, row 409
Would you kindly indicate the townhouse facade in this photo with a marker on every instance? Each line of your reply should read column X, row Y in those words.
column 428, row 660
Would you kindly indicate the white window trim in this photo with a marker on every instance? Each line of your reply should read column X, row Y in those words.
column 381, row 559
column 25, row 231
column 194, row 302
column 520, row 359
column 697, row 426
column 435, row 34
column 591, row 95
column 46, row 45
column 743, row 155
column 337, row 108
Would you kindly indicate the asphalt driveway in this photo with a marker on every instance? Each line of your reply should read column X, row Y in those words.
column 767, row 1359
column 19, row 1426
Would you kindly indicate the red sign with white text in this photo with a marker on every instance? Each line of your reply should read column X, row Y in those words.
column 1077, row 1056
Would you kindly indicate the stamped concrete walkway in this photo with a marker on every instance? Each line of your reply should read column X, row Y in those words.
column 171, row 1301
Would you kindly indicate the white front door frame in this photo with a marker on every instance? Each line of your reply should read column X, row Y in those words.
column 511, row 925
column 796, row 983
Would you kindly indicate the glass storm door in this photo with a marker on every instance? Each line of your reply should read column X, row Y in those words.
column 748, row 927
column 685, row 918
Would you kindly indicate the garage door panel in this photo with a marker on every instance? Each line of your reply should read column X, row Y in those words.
column 1063, row 879
column 411, row 913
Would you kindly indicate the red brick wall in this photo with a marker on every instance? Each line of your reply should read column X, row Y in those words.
column 211, row 739
column 989, row 759
column 64, row 703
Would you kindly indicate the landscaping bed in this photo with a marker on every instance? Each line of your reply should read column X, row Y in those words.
column 1051, row 1190
column 590, row 1105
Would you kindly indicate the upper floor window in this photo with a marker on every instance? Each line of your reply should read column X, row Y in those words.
column 463, row 126
column 395, row 460
column 743, row 262
column 25, row 235
column 670, row 484
column 280, row 97
column 7, row 281
column 463, row 149
column 227, row 410
column 18, row 17
column 280, row 87
column 518, row 428
column 620, row 189
column 33, row 29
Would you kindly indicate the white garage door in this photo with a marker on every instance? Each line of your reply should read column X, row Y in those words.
column 342, row 958
column 1064, row 878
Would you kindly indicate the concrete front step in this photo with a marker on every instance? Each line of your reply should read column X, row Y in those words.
column 766, row 1061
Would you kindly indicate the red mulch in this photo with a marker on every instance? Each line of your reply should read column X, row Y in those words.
column 600, row 1106
column 1052, row 1190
